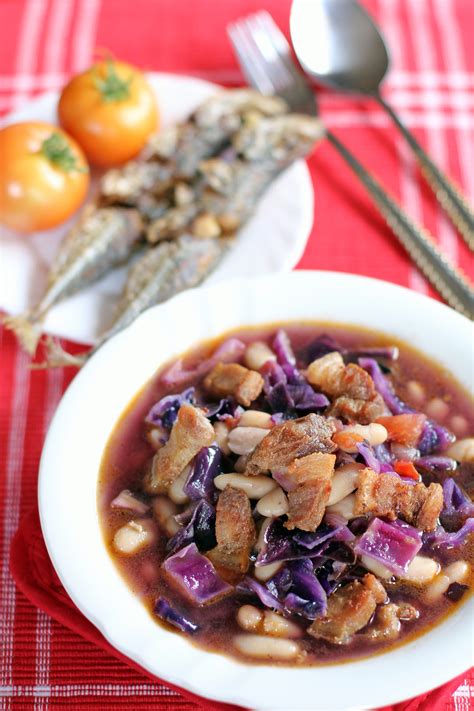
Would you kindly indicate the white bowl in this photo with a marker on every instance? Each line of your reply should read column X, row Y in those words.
column 87, row 415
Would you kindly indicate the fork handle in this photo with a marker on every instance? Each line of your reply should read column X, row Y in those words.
column 446, row 279
column 447, row 193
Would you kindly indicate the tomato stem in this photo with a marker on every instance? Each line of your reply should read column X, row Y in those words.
column 56, row 150
column 111, row 86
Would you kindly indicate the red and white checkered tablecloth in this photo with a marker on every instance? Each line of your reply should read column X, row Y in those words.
column 42, row 663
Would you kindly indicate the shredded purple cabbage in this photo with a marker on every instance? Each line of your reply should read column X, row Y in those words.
column 230, row 351
column 434, row 437
column 250, row 586
column 195, row 576
column 281, row 544
column 367, row 453
column 225, row 408
column 199, row 529
column 288, row 392
column 129, row 502
column 200, row 482
column 436, row 464
column 393, row 545
column 442, row 539
column 164, row 412
column 319, row 347
column 169, row 614
column 457, row 506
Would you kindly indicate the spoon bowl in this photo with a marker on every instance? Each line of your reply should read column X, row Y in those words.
column 337, row 42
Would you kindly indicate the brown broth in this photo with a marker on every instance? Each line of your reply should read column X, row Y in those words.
column 127, row 452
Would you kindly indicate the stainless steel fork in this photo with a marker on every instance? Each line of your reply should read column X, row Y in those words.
column 267, row 63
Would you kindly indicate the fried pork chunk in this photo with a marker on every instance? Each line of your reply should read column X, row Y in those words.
column 291, row 440
column 355, row 398
column 349, row 610
column 312, row 477
column 387, row 495
column 233, row 379
column 191, row 431
column 235, row 531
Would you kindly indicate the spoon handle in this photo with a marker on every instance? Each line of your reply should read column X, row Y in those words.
column 447, row 193
column 446, row 279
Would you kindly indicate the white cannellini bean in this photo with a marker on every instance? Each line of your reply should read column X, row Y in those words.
column 265, row 572
column 254, row 486
column 176, row 490
column 421, row 570
column 345, row 507
column 262, row 647
column 277, row 626
column 462, row 451
column 344, row 482
column 241, row 464
column 255, row 418
column 459, row 425
column 249, row 618
column 134, row 536
column 155, row 437
column 453, row 573
column 222, row 436
column 243, row 440
column 437, row 408
column 165, row 511
column 274, row 503
column 257, row 354
column 374, row 434
column 416, row 392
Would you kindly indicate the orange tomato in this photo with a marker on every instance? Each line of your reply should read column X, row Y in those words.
column 110, row 110
column 347, row 440
column 405, row 429
column 44, row 176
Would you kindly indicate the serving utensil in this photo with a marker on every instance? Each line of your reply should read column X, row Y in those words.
column 337, row 42
column 266, row 61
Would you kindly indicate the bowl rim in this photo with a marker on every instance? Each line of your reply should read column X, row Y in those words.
column 202, row 676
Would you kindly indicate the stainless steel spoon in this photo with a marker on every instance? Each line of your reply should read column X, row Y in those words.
column 337, row 42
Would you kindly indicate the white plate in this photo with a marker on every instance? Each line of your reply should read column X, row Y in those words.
column 76, row 441
column 272, row 241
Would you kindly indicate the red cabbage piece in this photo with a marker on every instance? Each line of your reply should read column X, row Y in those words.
column 199, row 529
column 288, row 392
column 164, row 412
column 319, row 347
column 169, row 614
column 226, row 408
column 457, row 506
column 386, row 352
column 230, row 351
column 307, row 596
column 280, row 584
column 434, row 438
column 129, row 502
column 250, row 586
column 436, row 464
column 283, row 349
column 281, row 544
column 330, row 575
column 442, row 539
column 384, row 387
column 200, row 482
column 367, row 453
column 195, row 576
column 393, row 545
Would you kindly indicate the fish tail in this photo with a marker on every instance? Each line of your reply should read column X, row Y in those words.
column 26, row 328
column 57, row 357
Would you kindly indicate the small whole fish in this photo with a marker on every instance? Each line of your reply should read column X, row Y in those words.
column 177, row 151
column 104, row 238
column 160, row 273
